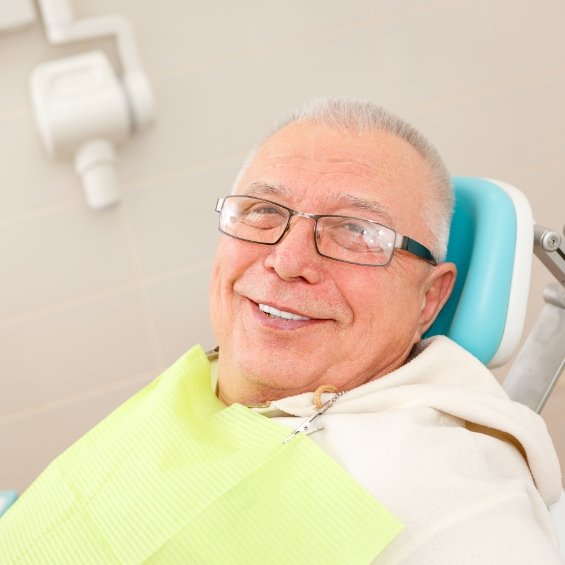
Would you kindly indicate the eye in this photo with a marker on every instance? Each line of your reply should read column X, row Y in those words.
column 263, row 210
column 353, row 227
column 358, row 235
column 262, row 215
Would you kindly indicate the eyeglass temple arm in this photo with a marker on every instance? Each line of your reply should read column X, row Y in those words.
column 412, row 246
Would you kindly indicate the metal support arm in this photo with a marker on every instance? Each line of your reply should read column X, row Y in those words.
column 541, row 360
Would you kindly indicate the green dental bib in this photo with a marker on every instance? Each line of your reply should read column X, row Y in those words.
column 173, row 476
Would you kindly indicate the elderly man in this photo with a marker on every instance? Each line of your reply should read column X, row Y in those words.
column 331, row 433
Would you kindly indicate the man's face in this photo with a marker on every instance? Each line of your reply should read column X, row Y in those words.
column 360, row 322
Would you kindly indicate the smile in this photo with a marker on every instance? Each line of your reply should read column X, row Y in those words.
column 274, row 313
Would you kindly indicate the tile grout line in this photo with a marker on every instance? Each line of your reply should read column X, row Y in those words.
column 261, row 52
column 133, row 186
column 140, row 287
column 93, row 296
column 515, row 83
column 73, row 399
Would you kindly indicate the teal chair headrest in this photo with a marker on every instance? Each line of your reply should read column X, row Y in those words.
column 482, row 244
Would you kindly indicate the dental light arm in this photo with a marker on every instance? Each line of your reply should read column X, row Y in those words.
column 541, row 360
column 83, row 111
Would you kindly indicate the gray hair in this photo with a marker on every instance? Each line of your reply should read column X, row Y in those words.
column 364, row 116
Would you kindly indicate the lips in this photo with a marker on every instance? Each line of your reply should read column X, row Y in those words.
column 276, row 313
column 281, row 303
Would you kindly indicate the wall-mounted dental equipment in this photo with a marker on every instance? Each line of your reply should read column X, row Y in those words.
column 83, row 110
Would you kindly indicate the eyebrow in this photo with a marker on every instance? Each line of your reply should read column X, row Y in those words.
column 342, row 199
column 351, row 201
column 261, row 188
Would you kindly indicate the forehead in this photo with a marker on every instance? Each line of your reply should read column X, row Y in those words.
column 324, row 169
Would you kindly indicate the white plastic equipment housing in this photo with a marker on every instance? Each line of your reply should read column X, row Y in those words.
column 81, row 111
column 61, row 27
column 95, row 163
column 77, row 99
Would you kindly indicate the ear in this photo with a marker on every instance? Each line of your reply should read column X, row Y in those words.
column 438, row 287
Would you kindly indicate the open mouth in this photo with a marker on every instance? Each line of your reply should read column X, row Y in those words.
column 280, row 314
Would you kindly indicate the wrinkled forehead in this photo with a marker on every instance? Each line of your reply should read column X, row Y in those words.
column 373, row 155
column 312, row 165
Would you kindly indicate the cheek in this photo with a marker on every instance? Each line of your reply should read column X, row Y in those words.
column 220, row 282
column 214, row 297
column 233, row 259
column 383, row 303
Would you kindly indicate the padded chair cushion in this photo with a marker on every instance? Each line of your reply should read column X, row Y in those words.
column 482, row 245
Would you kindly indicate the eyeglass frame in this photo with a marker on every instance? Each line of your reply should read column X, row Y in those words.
column 402, row 242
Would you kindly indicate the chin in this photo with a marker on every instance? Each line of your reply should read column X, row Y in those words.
column 277, row 371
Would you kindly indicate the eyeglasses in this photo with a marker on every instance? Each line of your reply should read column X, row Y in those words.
column 343, row 238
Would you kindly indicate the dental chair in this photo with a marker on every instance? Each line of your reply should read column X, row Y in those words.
column 492, row 238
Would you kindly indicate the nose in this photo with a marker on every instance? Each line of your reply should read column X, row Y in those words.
column 295, row 256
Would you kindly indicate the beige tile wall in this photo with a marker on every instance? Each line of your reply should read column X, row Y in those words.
column 93, row 305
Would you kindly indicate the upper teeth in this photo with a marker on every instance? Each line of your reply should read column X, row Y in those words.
column 280, row 313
